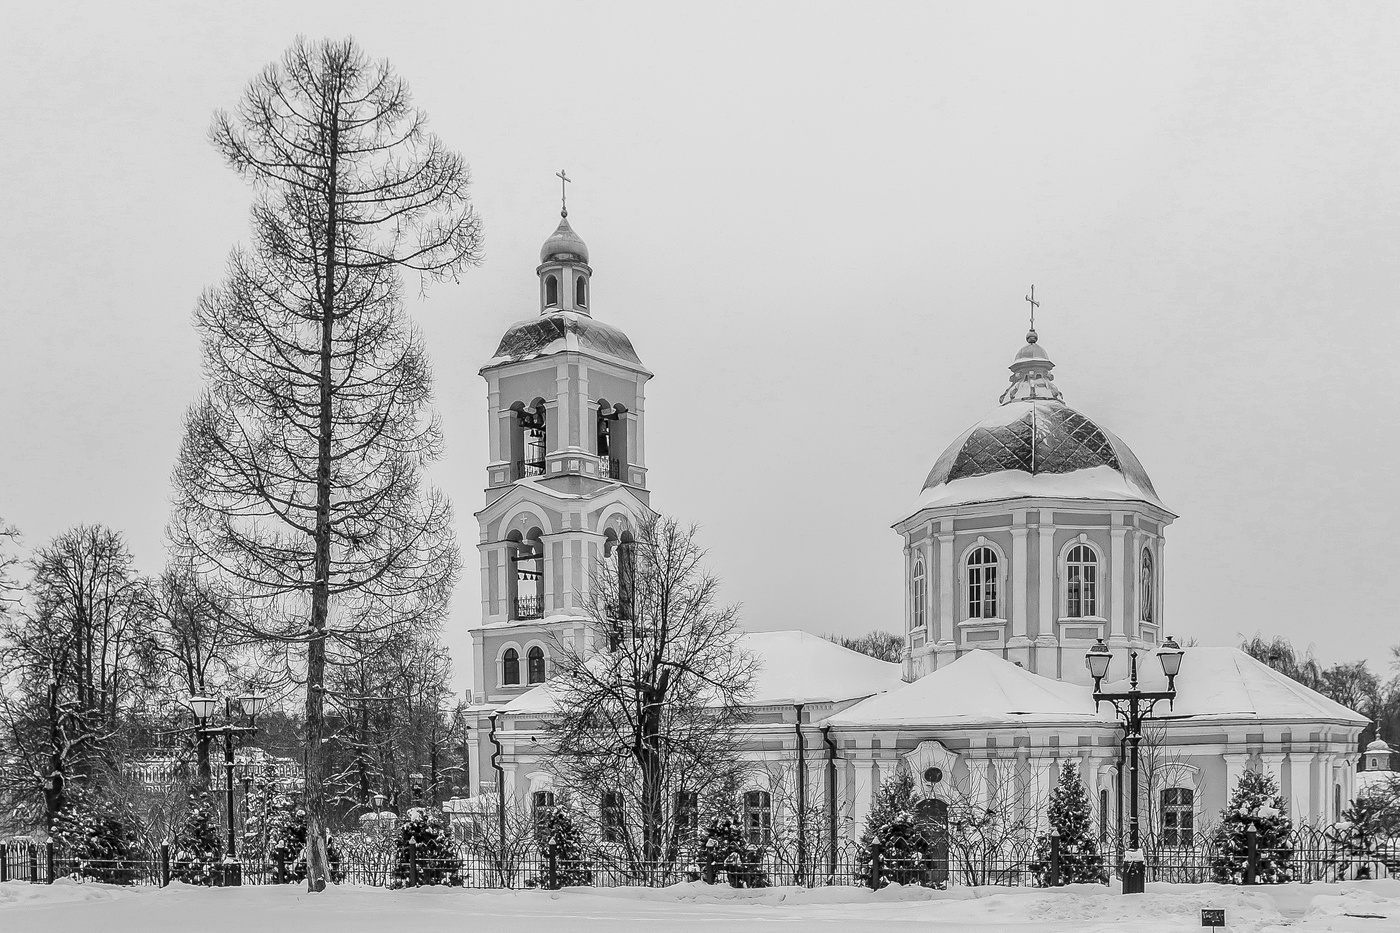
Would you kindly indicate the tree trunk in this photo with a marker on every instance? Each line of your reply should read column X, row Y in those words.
column 316, row 858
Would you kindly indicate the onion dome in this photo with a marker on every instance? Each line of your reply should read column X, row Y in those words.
column 564, row 245
column 1035, row 446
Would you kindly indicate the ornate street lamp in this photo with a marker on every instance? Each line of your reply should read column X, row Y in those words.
column 246, row 706
column 1132, row 707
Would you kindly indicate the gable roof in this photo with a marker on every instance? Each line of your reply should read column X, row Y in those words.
column 793, row 667
column 979, row 688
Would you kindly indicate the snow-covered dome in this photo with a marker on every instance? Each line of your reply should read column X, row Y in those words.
column 564, row 244
column 1378, row 745
column 559, row 332
column 1035, row 445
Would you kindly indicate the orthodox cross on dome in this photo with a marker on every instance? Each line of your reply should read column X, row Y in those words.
column 1034, row 304
column 564, row 193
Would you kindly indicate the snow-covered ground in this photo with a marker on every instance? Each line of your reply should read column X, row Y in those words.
column 1356, row 907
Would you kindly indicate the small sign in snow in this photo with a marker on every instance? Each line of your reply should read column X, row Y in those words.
column 1212, row 917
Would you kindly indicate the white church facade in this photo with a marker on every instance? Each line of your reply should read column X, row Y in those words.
column 1036, row 534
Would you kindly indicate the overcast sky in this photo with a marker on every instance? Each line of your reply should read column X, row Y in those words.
column 816, row 222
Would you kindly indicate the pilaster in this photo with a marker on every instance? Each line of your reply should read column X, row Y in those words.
column 1018, row 644
column 1118, row 633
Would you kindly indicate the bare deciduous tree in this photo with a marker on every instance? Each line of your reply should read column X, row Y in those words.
column 652, row 715
column 300, row 477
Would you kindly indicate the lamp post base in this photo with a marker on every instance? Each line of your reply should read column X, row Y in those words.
column 232, row 874
column 1134, row 875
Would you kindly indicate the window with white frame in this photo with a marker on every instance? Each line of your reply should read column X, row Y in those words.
column 1178, row 816
column 510, row 667
column 982, row 567
column 1081, row 582
column 534, row 665
column 1145, row 588
column 919, row 593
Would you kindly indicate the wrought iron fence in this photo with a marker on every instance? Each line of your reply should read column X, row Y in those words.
column 1308, row 855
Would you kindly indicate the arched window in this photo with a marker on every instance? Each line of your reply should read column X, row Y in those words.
column 1103, row 814
column 530, row 442
column 610, row 809
column 534, row 665
column 1336, row 803
column 1146, row 586
column 1081, row 582
column 551, row 291
column 510, row 667
column 918, row 594
column 1178, row 816
column 982, row 584
column 758, row 817
column 581, row 292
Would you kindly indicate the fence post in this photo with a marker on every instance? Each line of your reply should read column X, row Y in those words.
column 48, row 859
column 1251, row 865
column 165, row 864
column 279, row 868
column 1054, row 878
column 874, row 879
column 33, row 864
column 413, row 863
column 4, row 863
column 553, row 866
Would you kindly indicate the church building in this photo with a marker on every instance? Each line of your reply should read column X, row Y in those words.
column 1037, row 535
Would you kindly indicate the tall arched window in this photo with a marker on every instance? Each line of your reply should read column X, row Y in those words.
column 982, row 584
column 918, row 593
column 1146, row 586
column 541, row 803
column 626, row 577
column 551, row 291
column 510, row 667
column 758, row 817
column 1081, row 582
column 581, row 292
column 534, row 665
column 1178, row 816
column 1103, row 814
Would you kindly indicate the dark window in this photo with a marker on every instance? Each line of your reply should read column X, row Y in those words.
column 610, row 809
column 510, row 667
column 982, row 584
column 1146, row 586
column 534, row 665
column 687, row 816
column 1103, row 814
column 551, row 291
column 1178, row 816
column 581, row 292
column 758, row 817
column 542, row 802
column 626, row 577
column 1081, row 582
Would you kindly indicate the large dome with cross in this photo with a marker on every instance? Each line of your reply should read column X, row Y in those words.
column 1035, row 446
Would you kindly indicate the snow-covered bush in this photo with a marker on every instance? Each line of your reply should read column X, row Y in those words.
column 286, row 835
column 557, row 829
column 725, row 848
column 1081, row 862
column 1256, row 802
column 94, row 841
column 905, row 842
column 1364, row 837
column 198, row 848
column 425, row 840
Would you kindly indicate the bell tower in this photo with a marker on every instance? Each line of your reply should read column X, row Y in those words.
column 567, row 479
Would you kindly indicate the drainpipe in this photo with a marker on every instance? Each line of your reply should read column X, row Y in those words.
column 1118, row 797
column 830, row 804
column 801, row 795
column 500, row 786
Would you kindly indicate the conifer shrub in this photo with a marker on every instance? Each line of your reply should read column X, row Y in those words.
column 286, row 843
column 93, row 841
column 1081, row 862
column 725, row 848
column 425, row 835
column 558, row 827
column 1255, row 802
column 198, row 848
column 906, row 842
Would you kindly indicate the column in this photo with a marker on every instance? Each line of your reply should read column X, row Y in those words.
column 1235, row 765
column 947, row 583
column 1161, row 590
column 566, row 434
column 1300, row 787
column 908, row 591
column 1047, row 642
column 1018, row 644
column 1118, row 631
column 494, row 419
column 635, row 449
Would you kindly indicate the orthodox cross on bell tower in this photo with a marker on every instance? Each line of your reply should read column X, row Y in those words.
column 1034, row 304
column 563, row 192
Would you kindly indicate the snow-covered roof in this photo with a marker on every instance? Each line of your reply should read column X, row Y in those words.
column 793, row 667
column 1099, row 482
column 1226, row 683
column 979, row 688
column 563, row 332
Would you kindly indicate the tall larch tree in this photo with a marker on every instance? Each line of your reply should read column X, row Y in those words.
column 300, row 477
